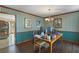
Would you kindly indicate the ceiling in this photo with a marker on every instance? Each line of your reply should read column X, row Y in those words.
column 42, row 10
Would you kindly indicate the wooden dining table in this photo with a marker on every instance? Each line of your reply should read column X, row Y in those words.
column 52, row 41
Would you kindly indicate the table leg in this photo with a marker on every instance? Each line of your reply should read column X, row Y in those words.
column 50, row 47
column 62, row 43
column 34, row 43
column 34, row 46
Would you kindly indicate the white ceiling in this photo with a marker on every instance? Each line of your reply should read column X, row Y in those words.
column 42, row 10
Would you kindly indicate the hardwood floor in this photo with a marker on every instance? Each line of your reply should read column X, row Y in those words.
column 27, row 47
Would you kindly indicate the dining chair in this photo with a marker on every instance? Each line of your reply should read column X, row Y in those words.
column 39, row 42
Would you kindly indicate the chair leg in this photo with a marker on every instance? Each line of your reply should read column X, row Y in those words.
column 34, row 46
column 39, row 49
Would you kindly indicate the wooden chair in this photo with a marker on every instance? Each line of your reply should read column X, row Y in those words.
column 38, row 41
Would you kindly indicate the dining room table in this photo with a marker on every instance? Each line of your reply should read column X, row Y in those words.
column 52, row 41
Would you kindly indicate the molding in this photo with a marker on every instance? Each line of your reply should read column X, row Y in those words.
column 24, row 41
column 6, row 13
column 19, row 10
column 27, row 31
column 64, row 13
column 37, row 15
column 24, row 32
column 67, row 31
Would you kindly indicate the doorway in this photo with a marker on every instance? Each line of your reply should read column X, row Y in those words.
column 11, row 33
column 9, row 30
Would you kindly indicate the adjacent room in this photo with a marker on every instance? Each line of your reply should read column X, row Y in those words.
column 39, row 28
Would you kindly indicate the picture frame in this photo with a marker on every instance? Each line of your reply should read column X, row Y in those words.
column 38, row 23
column 27, row 23
column 57, row 23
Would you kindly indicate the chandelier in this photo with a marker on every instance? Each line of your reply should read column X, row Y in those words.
column 49, row 18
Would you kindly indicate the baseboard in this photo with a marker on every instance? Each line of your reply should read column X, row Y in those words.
column 24, row 41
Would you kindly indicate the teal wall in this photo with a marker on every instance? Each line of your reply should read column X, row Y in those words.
column 22, row 33
column 71, row 36
column 70, row 26
column 24, row 36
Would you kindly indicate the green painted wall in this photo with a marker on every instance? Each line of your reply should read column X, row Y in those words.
column 21, row 32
